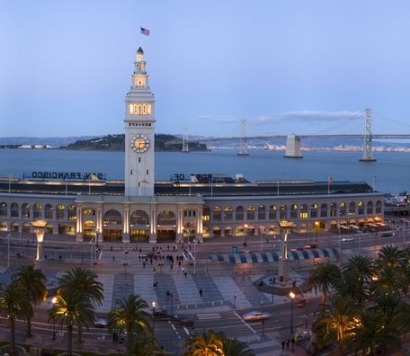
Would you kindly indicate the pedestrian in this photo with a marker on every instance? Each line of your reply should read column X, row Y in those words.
column 113, row 258
column 143, row 264
column 185, row 273
column 287, row 344
column 293, row 344
column 200, row 292
column 283, row 345
column 168, row 294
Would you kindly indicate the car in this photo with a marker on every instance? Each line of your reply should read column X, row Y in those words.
column 100, row 323
column 183, row 321
column 256, row 316
column 308, row 246
column 348, row 239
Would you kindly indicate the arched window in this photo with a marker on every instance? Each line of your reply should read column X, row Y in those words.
column 14, row 210
column 323, row 211
column 48, row 212
column 304, row 211
column 293, row 211
column 72, row 212
column 273, row 212
column 60, row 213
column 239, row 213
column 342, row 209
column 360, row 208
column 37, row 211
column 25, row 211
column 283, row 212
column 228, row 213
column 217, row 213
column 333, row 209
column 112, row 217
column 3, row 209
column 314, row 210
column 352, row 209
column 250, row 212
column 167, row 217
column 369, row 208
column 379, row 207
column 138, row 218
column 261, row 212
column 206, row 214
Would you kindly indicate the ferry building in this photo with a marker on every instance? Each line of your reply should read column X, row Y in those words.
column 140, row 208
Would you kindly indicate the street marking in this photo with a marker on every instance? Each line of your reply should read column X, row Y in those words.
column 209, row 316
column 244, row 322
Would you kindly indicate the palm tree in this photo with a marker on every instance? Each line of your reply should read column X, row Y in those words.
column 71, row 308
column 207, row 344
column 83, row 281
column 235, row 347
column 372, row 331
column 133, row 317
column 335, row 322
column 324, row 276
column 33, row 281
column 13, row 305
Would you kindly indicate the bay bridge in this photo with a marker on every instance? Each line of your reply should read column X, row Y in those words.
column 293, row 142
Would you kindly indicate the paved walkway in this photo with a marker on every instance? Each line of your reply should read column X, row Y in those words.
column 210, row 288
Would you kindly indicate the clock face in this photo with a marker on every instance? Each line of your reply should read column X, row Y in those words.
column 140, row 143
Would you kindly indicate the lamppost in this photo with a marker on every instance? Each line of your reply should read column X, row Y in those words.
column 96, row 237
column 292, row 298
column 154, row 305
column 39, row 227
column 8, row 250
column 171, row 309
column 54, row 301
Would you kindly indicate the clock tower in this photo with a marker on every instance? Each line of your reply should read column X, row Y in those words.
column 139, row 133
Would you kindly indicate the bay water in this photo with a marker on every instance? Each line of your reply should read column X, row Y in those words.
column 389, row 174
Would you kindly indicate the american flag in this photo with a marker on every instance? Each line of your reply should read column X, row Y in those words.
column 144, row 31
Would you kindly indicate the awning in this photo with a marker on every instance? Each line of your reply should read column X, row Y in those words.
column 272, row 256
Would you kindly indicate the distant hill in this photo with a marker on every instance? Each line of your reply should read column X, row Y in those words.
column 116, row 143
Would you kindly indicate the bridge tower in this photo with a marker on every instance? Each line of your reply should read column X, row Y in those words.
column 185, row 146
column 368, row 136
column 243, row 144
column 293, row 147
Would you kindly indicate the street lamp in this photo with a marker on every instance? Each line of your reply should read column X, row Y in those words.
column 54, row 301
column 8, row 250
column 39, row 227
column 292, row 298
column 154, row 305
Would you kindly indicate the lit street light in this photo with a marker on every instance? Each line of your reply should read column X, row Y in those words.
column 292, row 298
column 154, row 305
column 54, row 301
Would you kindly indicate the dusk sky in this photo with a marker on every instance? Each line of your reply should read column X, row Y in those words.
column 286, row 66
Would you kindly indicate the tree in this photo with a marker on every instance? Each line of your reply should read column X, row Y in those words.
column 324, row 276
column 83, row 281
column 71, row 308
column 133, row 317
column 335, row 321
column 33, row 281
column 372, row 332
column 206, row 344
column 235, row 347
column 13, row 305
